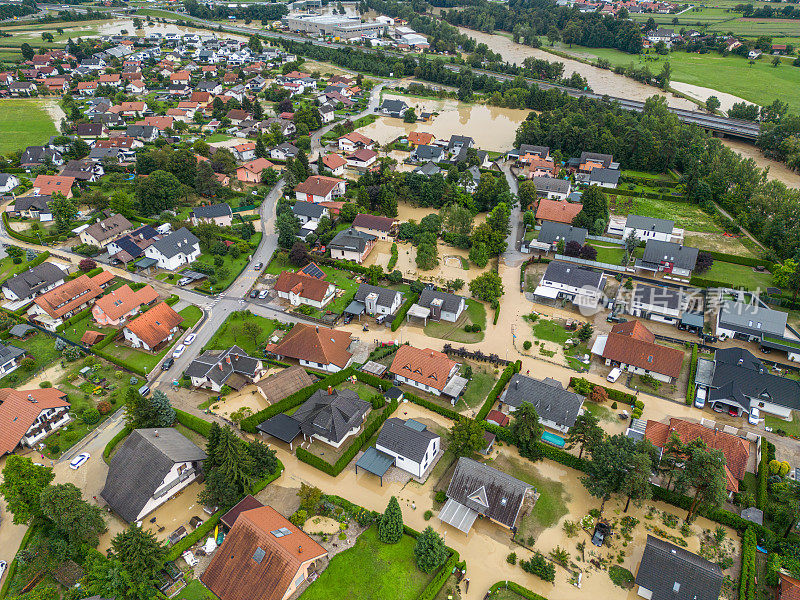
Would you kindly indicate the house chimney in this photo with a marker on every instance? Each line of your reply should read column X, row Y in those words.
column 228, row 359
column 220, row 366
column 330, row 391
column 299, row 549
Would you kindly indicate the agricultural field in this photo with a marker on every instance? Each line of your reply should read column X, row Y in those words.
column 24, row 122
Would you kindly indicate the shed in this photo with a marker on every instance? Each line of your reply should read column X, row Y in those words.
column 374, row 368
column 375, row 461
column 281, row 426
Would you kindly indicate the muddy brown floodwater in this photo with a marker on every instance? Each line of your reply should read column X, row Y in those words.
column 777, row 170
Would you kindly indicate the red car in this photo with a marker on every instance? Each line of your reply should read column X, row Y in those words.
column 733, row 412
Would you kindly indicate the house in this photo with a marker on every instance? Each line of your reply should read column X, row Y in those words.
column 131, row 246
column 299, row 288
column 737, row 382
column 559, row 211
column 150, row 467
column 353, row 141
column 663, row 304
column 91, row 130
column 232, row 367
column 439, row 306
column 245, row 152
column 632, row 347
column 351, row 244
column 478, row 489
column 362, row 158
column 38, row 155
column 563, row 280
column 29, row 416
column 87, row 169
column 331, row 416
column 427, row 169
column 22, row 88
column 750, row 321
column 33, row 207
column 309, row 215
column 557, row 408
column 284, row 383
column 667, row 572
column 552, row 189
column 8, row 182
column 669, row 257
column 10, row 357
column 419, row 138
column 754, row 54
column 335, row 163
column 735, row 449
column 143, row 133
column 315, row 346
column 318, row 188
column 649, row 228
column 538, row 167
column 174, row 250
column 47, row 185
column 412, row 446
column 153, row 329
column 375, row 300
column 552, row 233
column 33, row 282
column 53, row 307
column 284, row 151
column 607, row 178
column 251, row 172
column 542, row 152
column 263, row 557
column 427, row 153
column 216, row 214
column 788, row 587
column 113, row 309
column 427, row 370
column 393, row 108
column 101, row 233
column 459, row 144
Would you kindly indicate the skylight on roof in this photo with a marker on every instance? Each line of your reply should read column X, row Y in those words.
column 279, row 533
column 259, row 555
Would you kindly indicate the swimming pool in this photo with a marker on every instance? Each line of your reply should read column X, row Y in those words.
column 553, row 439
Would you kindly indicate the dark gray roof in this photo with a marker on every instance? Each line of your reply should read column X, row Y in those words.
column 409, row 442
column 308, row 209
column 31, row 281
column 552, row 231
column 9, row 353
column 215, row 366
column 427, row 169
column 385, row 296
column 176, row 242
column 5, row 178
column 20, row 330
column 604, row 159
column 331, row 415
column 212, row 211
column 564, row 272
column 38, row 203
column 352, row 240
column 649, row 224
column 281, row 426
column 145, row 131
column 426, row 152
column 394, row 106
column 551, row 184
column 750, row 380
column 488, row 491
column 671, row 572
column 662, row 297
column 657, row 252
column 140, row 466
column 551, row 401
column 531, row 149
column 753, row 319
column 604, row 176
column 450, row 302
column 460, row 140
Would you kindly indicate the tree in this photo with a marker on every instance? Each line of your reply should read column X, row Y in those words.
column 139, row 411
column 776, row 61
column 228, row 468
column 86, row 265
column 157, row 192
column 430, row 551
column 553, row 35
column 410, row 116
column 456, row 224
column 704, row 262
column 252, row 331
column 527, row 431
column 526, row 194
column 479, row 255
column 165, row 414
column 636, row 481
column 205, row 180
column 588, row 252
column 390, row 526
column 787, row 276
column 594, row 214
column 499, row 218
column 64, row 211
column 75, row 519
column 713, row 103
column 348, row 212
column 466, row 437
column 22, row 486
column 487, row 287
column 298, row 255
column 572, row 248
column 606, row 471
column 584, row 333
column 288, row 227
column 310, row 497
column 572, row 33
column 139, row 552
column 704, row 472
column 586, row 433
column 631, row 243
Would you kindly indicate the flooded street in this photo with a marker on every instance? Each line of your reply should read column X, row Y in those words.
column 601, row 81
column 492, row 127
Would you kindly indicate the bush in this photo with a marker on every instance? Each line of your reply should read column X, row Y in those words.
column 428, row 514
column 621, row 576
column 401, row 314
column 538, row 565
column 90, row 416
column 299, row 518
column 45, row 384
column 527, row 344
column 440, row 497
column 747, row 578
column 512, row 558
column 614, row 406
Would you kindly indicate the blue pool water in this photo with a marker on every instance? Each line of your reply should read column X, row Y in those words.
column 553, row 439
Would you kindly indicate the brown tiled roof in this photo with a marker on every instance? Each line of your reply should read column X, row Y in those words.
column 643, row 354
column 420, row 137
column 50, row 184
column 90, row 338
column 373, row 222
column 635, row 330
column 318, row 185
column 68, row 296
column 302, row 285
column 498, row 417
column 236, row 574
column 246, row 503
column 316, row 344
column 154, row 326
column 108, row 228
column 427, row 366
column 735, row 449
column 18, row 412
column 789, row 588
column 558, row 211
column 357, row 138
column 123, row 300
column 257, row 165
column 333, row 161
column 363, row 154
column 280, row 385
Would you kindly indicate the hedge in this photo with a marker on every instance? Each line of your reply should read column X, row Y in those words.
column 21, row 268
column 692, row 373
column 747, row 576
column 376, row 382
column 78, row 316
column 118, row 362
column 651, row 181
column 702, row 282
column 12, row 567
column 496, row 315
column 28, row 239
column 193, row 422
column 441, row 410
column 393, row 259
column 115, row 441
column 516, row 588
column 249, row 424
column 747, row 261
column 260, row 485
column 401, row 314
column 173, row 299
column 613, row 395
column 508, row 372
column 763, row 475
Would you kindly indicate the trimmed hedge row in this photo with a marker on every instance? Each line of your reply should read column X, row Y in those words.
column 747, row 261
column 508, row 372
column 442, row 575
column 702, row 282
column 118, row 362
column 613, row 395
column 21, row 268
column 401, row 314
column 692, row 373
column 334, row 469
column 115, row 441
column 393, row 259
column 376, row 382
column 193, row 422
column 516, row 588
column 651, row 181
column 747, row 577
column 649, row 195
column 249, row 424
column 763, row 475
column 441, row 410
column 79, row 316
column 28, row 239
column 12, row 567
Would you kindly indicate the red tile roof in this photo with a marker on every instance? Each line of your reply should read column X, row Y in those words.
column 419, row 137
column 316, row 344
column 50, row 184
column 123, row 300
column 428, row 367
column 318, row 185
column 20, row 409
column 153, row 326
column 72, row 294
column 559, row 211
column 789, row 588
column 637, row 348
column 333, row 161
column 302, row 285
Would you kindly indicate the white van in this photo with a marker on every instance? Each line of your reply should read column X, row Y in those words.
column 614, row 375
column 700, row 399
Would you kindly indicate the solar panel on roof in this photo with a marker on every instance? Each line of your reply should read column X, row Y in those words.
column 313, row 270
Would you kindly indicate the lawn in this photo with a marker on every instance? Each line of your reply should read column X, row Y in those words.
column 600, row 412
column 791, row 427
column 195, row 590
column 230, row 333
column 479, row 386
column 191, row 315
column 610, row 254
column 738, row 275
column 24, row 122
column 686, row 215
column 474, row 314
column 371, row 570
column 234, row 267
column 551, row 331
column 40, row 347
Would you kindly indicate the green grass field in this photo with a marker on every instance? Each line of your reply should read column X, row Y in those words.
column 686, row 216
column 195, row 590
column 474, row 313
column 24, row 122
column 191, row 315
column 371, row 570
column 230, row 333
column 738, row 275
column 479, row 387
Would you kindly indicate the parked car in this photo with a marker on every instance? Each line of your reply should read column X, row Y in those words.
column 263, row 294
column 189, row 339
column 144, row 390
column 79, row 460
column 733, row 411
column 258, row 266
column 254, row 294
column 754, row 417
column 700, row 398
column 167, row 364
column 3, row 567
column 720, row 408
column 178, row 351
column 614, row 375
